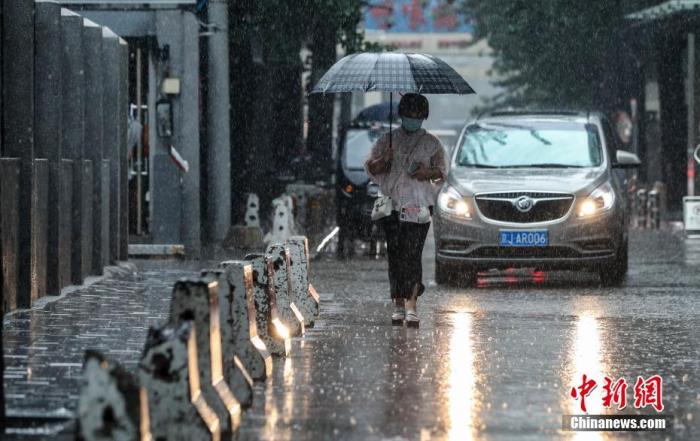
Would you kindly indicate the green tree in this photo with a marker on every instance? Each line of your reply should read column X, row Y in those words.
column 557, row 52
column 267, row 96
column 332, row 22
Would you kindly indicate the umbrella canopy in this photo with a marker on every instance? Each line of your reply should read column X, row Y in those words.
column 392, row 72
column 378, row 113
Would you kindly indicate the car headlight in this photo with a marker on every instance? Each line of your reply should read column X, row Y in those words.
column 453, row 203
column 601, row 199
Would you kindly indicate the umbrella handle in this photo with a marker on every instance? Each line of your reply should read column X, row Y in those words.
column 391, row 115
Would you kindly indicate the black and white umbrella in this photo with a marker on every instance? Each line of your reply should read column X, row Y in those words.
column 392, row 72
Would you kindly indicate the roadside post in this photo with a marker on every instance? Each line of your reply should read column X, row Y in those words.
column 18, row 134
column 93, row 146
column 73, row 76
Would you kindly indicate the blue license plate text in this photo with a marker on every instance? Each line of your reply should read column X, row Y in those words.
column 524, row 238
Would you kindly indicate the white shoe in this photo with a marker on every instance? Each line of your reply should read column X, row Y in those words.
column 412, row 320
column 398, row 316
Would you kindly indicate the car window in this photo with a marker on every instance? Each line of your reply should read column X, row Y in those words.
column 358, row 144
column 517, row 144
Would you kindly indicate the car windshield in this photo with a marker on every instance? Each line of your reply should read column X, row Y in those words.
column 358, row 144
column 543, row 145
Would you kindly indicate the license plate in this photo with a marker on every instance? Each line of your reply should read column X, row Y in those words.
column 524, row 238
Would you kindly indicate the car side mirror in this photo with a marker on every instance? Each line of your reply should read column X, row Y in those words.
column 626, row 159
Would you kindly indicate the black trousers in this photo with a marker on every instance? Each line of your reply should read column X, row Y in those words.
column 404, row 243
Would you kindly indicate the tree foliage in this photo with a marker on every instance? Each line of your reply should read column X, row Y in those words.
column 267, row 94
column 556, row 52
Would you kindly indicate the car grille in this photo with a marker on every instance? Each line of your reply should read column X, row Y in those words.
column 546, row 206
column 525, row 253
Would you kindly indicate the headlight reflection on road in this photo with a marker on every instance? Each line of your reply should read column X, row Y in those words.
column 462, row 380
column 586, row 359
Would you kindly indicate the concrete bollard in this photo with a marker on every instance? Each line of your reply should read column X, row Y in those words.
column 236, row 340
column 112, row 405
column 252, row 212
column 304, row 293
column 267, row 320
column 248, row 344
column 289, row 312
column 198, row 300
column 169, row 370
column 283, row 221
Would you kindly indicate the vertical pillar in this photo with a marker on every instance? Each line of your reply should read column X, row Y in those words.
column 188, row 120
column 93, row 141
column 73, row 128
column 111, row 124
column 218, row 193
column 123, row 154
column 18, row 124
column 692, row 116
column 175, row 195
column 2, row 264
column 48, row 128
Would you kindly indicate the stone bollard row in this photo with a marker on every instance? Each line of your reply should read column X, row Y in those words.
column 112, row 405
column 196, row 372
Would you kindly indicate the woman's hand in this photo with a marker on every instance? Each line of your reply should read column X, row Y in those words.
column 379, row 166
column 388, row 155
column 425, row 173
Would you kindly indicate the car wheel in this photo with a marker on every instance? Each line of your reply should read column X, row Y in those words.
column 614, row 274
column 453, row 276
column 443, row 275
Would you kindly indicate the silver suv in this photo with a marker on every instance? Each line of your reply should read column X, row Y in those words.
column 529, row 189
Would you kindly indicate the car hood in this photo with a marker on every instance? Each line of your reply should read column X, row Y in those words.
column 580, row 181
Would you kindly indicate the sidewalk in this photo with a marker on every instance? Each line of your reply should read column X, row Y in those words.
column 44, row 346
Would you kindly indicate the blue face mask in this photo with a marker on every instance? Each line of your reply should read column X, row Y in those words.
column 411, row 124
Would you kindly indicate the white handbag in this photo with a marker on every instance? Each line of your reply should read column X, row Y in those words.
column 382, row 208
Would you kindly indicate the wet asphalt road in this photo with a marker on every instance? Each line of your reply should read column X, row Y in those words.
column 491, row 362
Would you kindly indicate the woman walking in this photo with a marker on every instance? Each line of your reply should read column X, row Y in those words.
column 407, row 165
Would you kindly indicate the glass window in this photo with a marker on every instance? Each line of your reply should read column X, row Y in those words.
column 517, row 144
